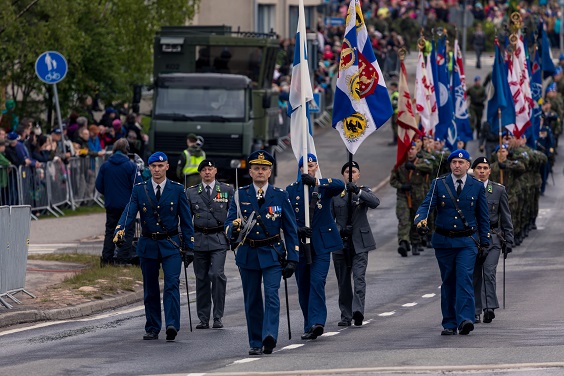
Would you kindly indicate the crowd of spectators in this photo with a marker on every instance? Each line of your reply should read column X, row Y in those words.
column 79, row 147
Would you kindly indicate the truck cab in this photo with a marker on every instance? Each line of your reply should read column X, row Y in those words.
column 215, row 83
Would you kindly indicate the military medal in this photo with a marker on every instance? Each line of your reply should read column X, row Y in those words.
column 274, row 212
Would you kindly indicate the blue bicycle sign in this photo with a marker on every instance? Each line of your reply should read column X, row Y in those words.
column 51, row 67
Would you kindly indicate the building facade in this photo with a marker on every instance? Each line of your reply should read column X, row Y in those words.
column 281, row 16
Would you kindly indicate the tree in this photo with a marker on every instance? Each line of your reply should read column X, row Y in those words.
column 107, row 43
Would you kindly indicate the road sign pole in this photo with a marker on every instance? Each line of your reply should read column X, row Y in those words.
column 59, row 120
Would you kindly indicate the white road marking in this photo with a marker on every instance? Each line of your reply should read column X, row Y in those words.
column 291, row 347
column 409, row 304
column 330, row 334
column 196, row 374
column 245, row 360
column 384, row 314
column 428, row 296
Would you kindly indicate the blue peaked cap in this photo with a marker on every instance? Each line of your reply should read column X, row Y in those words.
column 460, row 153
column 310, row 158
column 159, row 156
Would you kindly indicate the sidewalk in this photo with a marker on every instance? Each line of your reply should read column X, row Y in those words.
column 78, row 234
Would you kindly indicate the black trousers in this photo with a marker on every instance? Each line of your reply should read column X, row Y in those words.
column 109, row 250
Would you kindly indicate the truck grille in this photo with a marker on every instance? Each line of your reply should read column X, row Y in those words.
column 213, row 143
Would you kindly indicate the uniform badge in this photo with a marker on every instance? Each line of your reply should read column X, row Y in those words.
column 274, row 212
column 490, row 189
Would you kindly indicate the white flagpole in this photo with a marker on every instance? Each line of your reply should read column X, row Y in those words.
column 303, row 81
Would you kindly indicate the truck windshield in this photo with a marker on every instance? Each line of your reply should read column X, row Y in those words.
column 204, row 104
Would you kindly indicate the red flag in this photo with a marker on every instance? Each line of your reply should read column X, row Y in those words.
column 407, row 126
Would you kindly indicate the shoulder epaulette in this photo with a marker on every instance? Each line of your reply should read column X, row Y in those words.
column 496, row 183
column 175, row 182
column 142, row 183
column 444, row 175
column 245, row 187
column 278, row 189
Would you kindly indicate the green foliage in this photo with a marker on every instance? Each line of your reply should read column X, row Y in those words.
column 107, row 44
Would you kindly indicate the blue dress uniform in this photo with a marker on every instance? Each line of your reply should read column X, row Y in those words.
column 455, row 245
column 324, row 240
column 259, row 256
column 160, row 243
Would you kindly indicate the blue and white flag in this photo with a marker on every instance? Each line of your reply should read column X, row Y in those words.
column 532, row 132
column 300, row 95
column 362, row 103
column 499, row 95
column 462, row 119
column 446, row 128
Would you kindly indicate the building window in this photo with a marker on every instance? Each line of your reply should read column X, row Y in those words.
column 309, row 19
column 266, row 17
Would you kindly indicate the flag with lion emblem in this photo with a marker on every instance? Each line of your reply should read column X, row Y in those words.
column 362, row 103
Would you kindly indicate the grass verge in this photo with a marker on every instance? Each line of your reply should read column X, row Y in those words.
column 94, row 281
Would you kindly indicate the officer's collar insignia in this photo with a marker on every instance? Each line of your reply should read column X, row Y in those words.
column 490, row 188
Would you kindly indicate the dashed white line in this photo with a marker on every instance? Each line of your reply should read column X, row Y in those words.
column 409, row 304
column 245, row 360
column 196, row 374
column 330, row 334
column 291, row 347
column 428, row 296
column 385, row 314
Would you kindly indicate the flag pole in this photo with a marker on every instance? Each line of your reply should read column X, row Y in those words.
column 349, row 251
column 500, row 142
column 305, row 130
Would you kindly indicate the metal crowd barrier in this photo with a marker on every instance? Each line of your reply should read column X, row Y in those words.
column 33, row 192
column 58, row 186
column 9, row 186
column 82, row 172
column 14, row 241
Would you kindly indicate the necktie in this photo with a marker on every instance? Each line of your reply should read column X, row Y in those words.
column 208, row 191
column 158, row 194
column 459, row 188
column 260, row 197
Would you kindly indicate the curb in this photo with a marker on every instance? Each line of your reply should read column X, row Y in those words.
column 81, row 310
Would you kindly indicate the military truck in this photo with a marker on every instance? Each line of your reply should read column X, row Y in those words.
column 216, row 83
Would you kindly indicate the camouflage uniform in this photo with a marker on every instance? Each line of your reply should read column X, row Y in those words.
column 555, row 125
column 408, row 200
column 477, row 95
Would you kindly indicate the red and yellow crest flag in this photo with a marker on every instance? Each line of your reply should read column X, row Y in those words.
column 362, row 103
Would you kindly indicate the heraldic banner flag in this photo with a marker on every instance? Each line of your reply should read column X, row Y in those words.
column 300, row 95
column 499, row 95
column 407, row 126
column 446, row 128
column 362, row 103
column 462, row 120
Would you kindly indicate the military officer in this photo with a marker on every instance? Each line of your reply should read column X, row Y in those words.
column 209, row 202
column 358, row 240
column 256, row 215
column 311, row 274
column 501, row 232
column 462, row 211
column 162, row 204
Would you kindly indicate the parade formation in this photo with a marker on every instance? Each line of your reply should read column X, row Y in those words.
column 473, row 210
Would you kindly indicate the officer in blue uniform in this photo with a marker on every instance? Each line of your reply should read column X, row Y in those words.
column 462, row 231
column 256, row 215
column 323, row 232
column 162, row 204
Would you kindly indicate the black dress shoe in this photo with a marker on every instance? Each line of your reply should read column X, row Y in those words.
column 255, row 351
column 489, row 315
column 466, row 327
column 477, row 319
column 310, row 334
column 448, row 332
column 151, row 335
column 203, row 325
column 217, row 324
column 170, row 333
column 344, row 323
column 358, row 317
column 317, row 330
column 269, row 343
